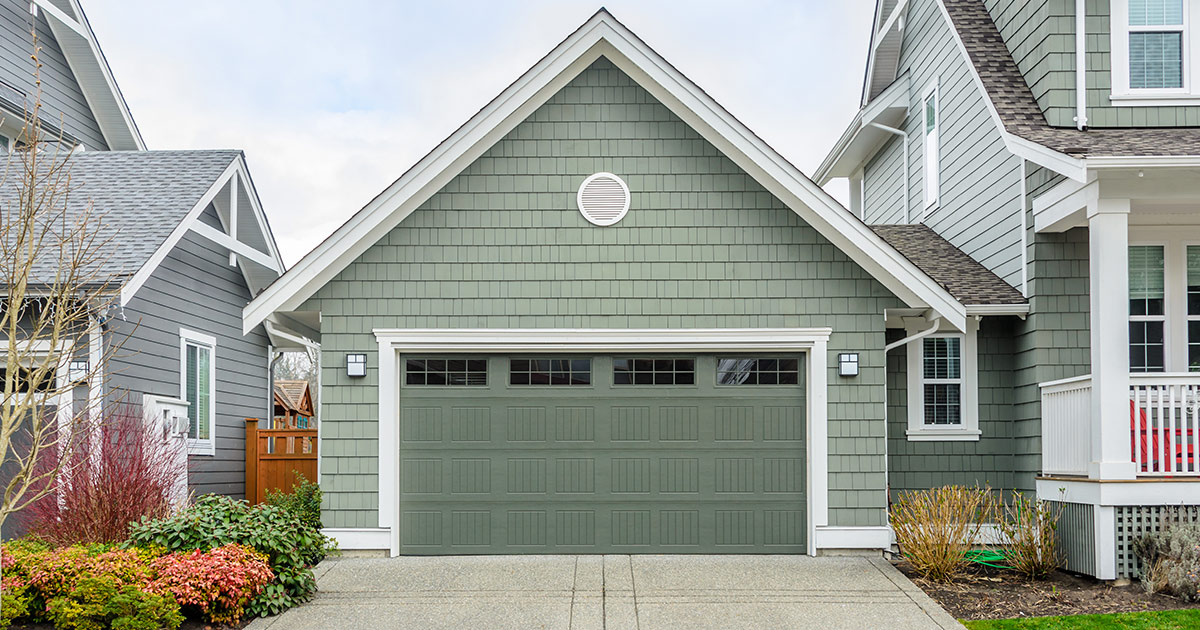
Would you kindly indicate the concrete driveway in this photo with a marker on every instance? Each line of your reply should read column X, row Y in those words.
column 610, row 592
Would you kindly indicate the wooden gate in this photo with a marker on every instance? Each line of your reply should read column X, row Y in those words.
column 275, row 458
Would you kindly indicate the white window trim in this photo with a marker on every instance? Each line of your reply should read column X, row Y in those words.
column 1175, row 241
column 968, row 431
column 188, row 337
column 813, row 341
column 1122, row 94
column 1170, row 303
column 931, row 179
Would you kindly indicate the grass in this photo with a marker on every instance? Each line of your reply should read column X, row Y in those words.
column 1156, row 620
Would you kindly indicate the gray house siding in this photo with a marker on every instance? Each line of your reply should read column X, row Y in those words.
column 502, row 246
column 988, row 462
column 978, row 208
column 1040, row 34
column 195, row 288
column 63, row 102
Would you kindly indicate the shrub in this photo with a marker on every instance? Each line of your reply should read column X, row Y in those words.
column 1028, row 527
column 304, row 501
column 100, row 603
column 1171, row 560
column 131, row 475
column 15, row 601
column 935, row 528
column 219, row 584
column 290, row 546
column 59, row 571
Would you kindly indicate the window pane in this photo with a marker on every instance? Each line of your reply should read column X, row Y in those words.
column 941, row 357
column 754, row 371
column 942, row 404
column 1146, row 347
column 190, row 389
column 204, row 393
column 549, row 371
column 1156, row 60
column 443, row 372
column 931, row 113
column 1146, row 264
column 658, row 371
column 1193, row 280
column 1194, row 346
column 1155, row 12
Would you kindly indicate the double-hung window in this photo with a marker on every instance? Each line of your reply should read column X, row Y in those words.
column 931, row 169
column 942, row 386
column 1151, row 50
column 1147, row 308
column 198, row 387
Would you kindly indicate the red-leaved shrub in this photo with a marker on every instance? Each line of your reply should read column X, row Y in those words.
column 218, row 583
column 125, row 473
column 58, row 571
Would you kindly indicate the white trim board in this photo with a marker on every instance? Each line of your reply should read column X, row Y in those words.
column 1112, row 493
column 603, row 35
column 358, row 538
column 813, row 341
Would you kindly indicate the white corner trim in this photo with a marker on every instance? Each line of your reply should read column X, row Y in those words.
column 191, row 222
column 355, row 538
column 603, row 35
column 813, row 341
column 878, row 537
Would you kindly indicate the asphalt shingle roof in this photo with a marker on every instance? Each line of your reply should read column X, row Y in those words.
column 140, row 197
column 1023, row 117
column 960, row 275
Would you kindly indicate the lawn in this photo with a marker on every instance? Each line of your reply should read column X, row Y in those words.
column 1155, row 620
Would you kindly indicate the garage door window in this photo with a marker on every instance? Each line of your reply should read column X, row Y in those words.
column 545, row 371
column 758, row 371
column 638, row 371
column 446, row 372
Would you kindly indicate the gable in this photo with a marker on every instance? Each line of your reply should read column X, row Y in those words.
column 602, row 36
column 503, row 245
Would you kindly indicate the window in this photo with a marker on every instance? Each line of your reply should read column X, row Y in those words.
column 755, row 371
column 466, row 372
column 932, row 165
column 1193, row 308
column 654, row 371
column 943, row 386
column 1147, row 308
column 525, row 371
column 198, row 382
column 1151, row 51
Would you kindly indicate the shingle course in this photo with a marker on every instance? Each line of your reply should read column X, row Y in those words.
column 956, row 272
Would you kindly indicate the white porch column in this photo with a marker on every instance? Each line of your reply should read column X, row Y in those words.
column 1108, row 239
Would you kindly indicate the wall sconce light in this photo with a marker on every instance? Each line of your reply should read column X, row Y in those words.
column 77, row 371
column 848, row 364
column 356, row 365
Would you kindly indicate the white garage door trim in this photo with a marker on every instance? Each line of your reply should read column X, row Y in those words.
column 813, row 341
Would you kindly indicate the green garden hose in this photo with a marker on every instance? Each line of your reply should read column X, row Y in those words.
column 987, row 557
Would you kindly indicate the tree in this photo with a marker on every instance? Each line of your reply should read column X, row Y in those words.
column 58, row 290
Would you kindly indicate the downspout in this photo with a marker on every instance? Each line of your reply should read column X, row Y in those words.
column 1024, row 234
column 894, row 131
column 270, row 417
column 1081, row 121
column 935, row 323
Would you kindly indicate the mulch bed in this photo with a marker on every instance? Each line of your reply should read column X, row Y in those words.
column 988, row 593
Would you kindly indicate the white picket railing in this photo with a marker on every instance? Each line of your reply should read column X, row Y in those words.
column 1067, row 426
column 1164, row 425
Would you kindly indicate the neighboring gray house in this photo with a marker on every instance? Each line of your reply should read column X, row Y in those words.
column 604, row 316
column 189, row 245
column 1055, row 143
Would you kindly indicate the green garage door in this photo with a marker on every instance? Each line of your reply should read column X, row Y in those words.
column 602, row 454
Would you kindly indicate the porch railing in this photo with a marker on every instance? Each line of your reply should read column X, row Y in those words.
column 1164, row 425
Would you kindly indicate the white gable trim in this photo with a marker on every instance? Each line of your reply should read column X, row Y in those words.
column 602, row 35
column 235, row 172
column 78, row 43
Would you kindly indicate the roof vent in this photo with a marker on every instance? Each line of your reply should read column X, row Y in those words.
column 603, row 199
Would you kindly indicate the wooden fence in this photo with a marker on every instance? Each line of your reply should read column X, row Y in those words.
column 276, row 457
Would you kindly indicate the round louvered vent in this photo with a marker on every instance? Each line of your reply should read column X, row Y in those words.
column 603, row 199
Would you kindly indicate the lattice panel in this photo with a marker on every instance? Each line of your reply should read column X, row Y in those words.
column 1135, row 521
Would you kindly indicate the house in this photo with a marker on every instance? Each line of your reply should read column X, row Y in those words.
column 187, row 245
column 293, row 405
column 604, row 316
column 1055, row 144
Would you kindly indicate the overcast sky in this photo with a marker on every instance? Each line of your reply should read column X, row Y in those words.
column 332, row 101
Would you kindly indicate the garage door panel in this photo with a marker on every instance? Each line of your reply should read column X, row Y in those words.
column 691, row 468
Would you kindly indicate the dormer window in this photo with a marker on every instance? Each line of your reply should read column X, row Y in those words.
column 1152, row 63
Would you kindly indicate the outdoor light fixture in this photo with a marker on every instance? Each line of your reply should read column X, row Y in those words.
column 356, row 365
column 848, row 364
column 77, row 371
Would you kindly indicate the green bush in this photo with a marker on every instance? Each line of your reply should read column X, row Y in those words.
column 291, row 546
column 15, row 603
column 304, row 501
column 99, row 604
column 1171, row 560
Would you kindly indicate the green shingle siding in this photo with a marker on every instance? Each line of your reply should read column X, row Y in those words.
column 503, row 246
column 988, row 462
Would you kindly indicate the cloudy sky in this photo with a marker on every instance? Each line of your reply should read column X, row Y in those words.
column 332, row 101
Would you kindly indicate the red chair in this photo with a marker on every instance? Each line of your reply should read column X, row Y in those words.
column 1179, row 443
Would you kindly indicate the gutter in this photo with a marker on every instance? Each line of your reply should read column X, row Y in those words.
column 1081, row 119
column 904, row 150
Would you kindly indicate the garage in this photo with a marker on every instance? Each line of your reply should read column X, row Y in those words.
column 602, row 453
